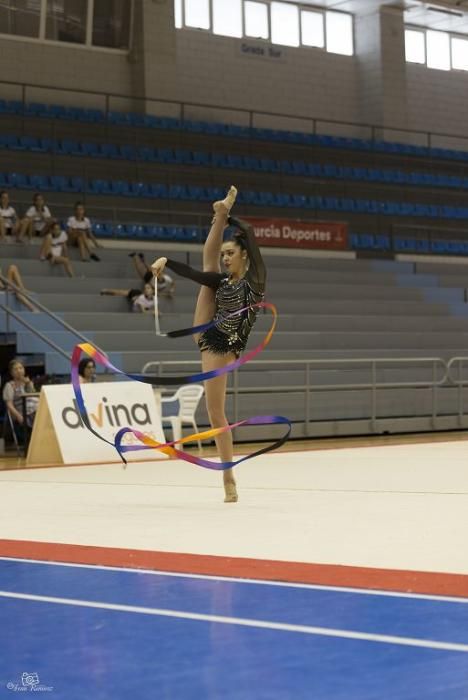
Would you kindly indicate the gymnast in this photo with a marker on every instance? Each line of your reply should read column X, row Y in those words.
column 242, row 285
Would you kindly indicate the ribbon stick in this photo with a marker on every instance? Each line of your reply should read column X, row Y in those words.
column 168, row 448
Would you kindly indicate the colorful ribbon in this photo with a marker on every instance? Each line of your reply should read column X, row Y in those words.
column 168, row 447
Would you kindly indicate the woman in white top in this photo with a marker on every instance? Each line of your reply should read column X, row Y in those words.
column 80, row 233
column 54, row 249
column 144, row 302
column 14, row 390
column 37, row 219
column 8, row 219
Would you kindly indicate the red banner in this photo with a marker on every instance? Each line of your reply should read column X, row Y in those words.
column 286, row 233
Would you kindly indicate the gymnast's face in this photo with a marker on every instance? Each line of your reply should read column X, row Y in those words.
column 233, row 258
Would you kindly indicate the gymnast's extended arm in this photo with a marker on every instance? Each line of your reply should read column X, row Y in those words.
column 207, row 279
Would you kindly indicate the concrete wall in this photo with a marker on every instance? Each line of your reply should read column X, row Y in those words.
column 375, row 86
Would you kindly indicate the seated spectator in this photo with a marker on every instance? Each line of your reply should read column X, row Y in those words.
column 37, row 219
column 54, row 248
column 145, row 301
column 9, row 224
column 13, row 276
column 80, row 234
column 86, row 370
column 166, row 284
column 13, row 391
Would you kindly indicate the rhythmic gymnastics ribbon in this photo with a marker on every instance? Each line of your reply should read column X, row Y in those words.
column 168, row 447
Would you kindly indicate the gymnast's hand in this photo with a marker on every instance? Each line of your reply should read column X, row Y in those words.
column 158, row 266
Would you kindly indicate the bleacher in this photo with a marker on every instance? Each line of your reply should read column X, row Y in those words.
column 330, row 309
column 151, row 179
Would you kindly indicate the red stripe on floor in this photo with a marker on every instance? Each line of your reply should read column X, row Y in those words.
column 260, row 569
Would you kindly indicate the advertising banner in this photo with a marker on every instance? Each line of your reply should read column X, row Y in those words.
column 286, row 233
column 60, row 437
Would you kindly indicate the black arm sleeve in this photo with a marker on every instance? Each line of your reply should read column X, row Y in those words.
column 207, row 279
column 256, row 274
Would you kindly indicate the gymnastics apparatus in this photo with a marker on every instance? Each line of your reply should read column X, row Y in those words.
column 226, row 310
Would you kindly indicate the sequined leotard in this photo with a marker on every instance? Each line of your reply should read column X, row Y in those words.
column 230, row 335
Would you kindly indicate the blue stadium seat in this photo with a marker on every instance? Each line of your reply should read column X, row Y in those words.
column 36, row 109
column 77, row 184
column 36, row 145
column 178, row 192
column 56, row 111
column 197, row 193
column 17, row 180
column 158, row 191
column 182, row 156
column 109, row 150
column 39, row 182
column 139, row 189
column 157, row 233
column 12, row 142
column 121, row 118
column 70, row 147
column 99, row 186
column 237, row 131
column 215, row 193
column 128, row 152
column 118, row 187
column 148, row 154
column 13, row 107
column 95, row 116
column 103, row 229
column 282, row 200
column 137, row 119
column 251, row 163
column 235, row 161
column 58, row 183
column 91, row 149
column 268, row 165
column 201, row 158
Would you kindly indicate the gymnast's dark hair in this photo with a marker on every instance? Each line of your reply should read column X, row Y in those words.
column 239, row 239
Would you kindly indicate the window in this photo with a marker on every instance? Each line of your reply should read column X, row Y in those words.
column 197, row 14
column 438, row 50
column 111, row 23
column 66, row 20
column 339, row 30
column 285, row 24
column 312, row 31
column 227, row 17
column 256, row 20
column 415, row 46
column 178, row 13
column 459, row 54
column 20, row 17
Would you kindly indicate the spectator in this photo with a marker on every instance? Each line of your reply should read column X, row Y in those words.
column 145, row 301
column 54, row 248
column 80, row 233
column 14, row 276
column 166, row 284
column 8, row 220
column 87, row 370
column 13, row 392
column 37, row 220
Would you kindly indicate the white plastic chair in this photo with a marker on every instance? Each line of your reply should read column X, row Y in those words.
column 188, row 398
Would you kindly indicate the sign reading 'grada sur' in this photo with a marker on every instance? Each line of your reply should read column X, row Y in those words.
column 258, row 50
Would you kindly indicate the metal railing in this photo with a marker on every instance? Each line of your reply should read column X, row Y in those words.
column 28, row 92
column 437, row 367
column 10, row 287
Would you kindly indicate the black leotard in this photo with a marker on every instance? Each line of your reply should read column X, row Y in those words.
column 230, row 335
